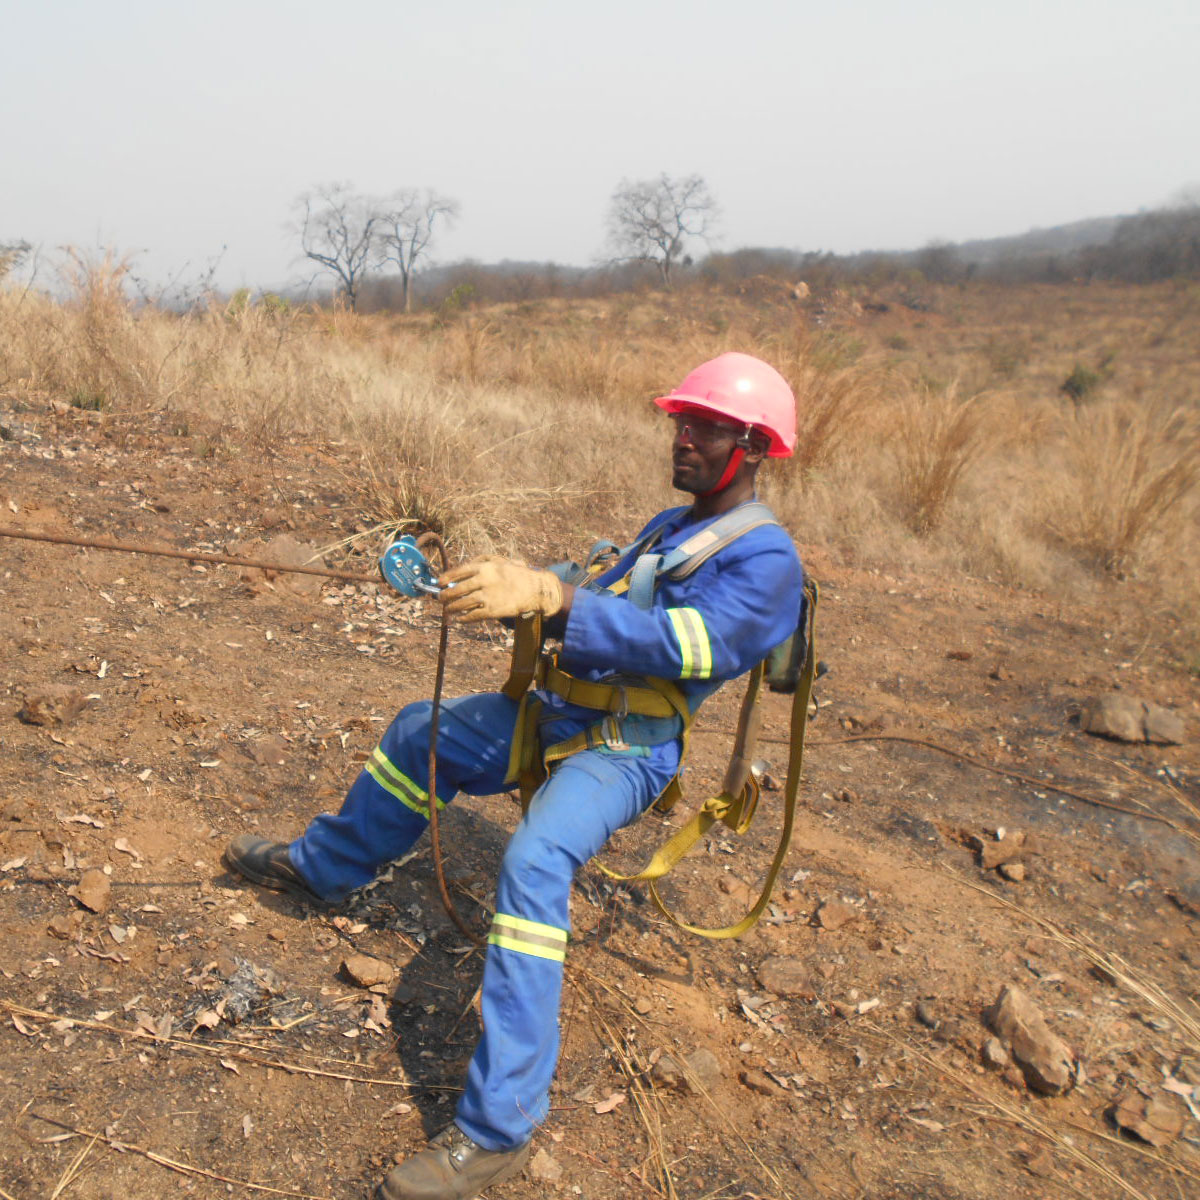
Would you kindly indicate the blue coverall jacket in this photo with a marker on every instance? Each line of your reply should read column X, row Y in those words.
column 698, row 632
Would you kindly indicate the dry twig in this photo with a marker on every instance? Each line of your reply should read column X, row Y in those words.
column 73, row 1171
column 983, row 765
column 240, row 1055
column 171, row 1164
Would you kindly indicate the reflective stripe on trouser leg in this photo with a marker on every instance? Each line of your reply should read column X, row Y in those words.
column 387, row 809
column 589, row 797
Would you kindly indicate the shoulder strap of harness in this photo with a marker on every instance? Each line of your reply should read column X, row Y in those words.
column 692, row 553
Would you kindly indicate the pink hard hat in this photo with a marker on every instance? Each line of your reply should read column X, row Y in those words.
column 742, row 387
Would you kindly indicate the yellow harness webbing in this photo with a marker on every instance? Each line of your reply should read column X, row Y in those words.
column 734, row 806
column 733, row 812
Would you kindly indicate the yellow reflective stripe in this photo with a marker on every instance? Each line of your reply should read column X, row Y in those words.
column 396, row 783
column 528, row 937
column 683, row 637
column 695, row 650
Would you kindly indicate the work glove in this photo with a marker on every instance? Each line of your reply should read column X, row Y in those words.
column 491, row 588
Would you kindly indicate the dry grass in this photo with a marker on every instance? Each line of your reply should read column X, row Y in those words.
column 938, row 436
column 1130, row 474
column 472, row 423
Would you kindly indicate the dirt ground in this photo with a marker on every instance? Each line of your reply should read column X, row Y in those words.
column 196, row 1036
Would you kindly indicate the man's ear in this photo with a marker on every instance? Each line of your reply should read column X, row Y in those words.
column 758, row 445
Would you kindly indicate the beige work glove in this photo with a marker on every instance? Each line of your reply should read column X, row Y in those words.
column 491, row 587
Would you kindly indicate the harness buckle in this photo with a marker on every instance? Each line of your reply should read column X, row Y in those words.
column 622, row 710
column 610, row 731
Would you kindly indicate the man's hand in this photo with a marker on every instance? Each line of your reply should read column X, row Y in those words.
column 490, row 588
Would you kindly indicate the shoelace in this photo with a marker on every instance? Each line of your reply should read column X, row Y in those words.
column 457, row 1144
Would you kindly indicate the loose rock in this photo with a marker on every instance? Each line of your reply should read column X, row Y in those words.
column 786, row 977
column 833, row 914
column 55, row 704
column 1163, row 727
column 286, row 551
column 92, row 890
column 544, row 1168
column 994, row 854
column 1014, row 872
column 994, row 1055
column 927, row 1014
column 1157, row 1120
column 367, row 971
column 699, row 1070
column 1045, row 1059
column 1128, row 719
column 1040, row 1163
column 757, row 1081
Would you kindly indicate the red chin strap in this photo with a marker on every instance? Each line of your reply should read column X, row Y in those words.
column 735, row 460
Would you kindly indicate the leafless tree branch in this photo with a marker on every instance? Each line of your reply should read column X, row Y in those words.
column 651, row 220
column 406, row 225
column 337, row 228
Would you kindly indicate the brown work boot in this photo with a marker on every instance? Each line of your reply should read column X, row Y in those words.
column 269, row 865
column 451, row 1167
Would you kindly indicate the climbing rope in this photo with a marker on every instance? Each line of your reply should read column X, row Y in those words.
column 435, row 844
column 59, row 539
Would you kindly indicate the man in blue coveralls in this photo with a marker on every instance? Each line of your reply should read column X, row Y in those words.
column 696, row 632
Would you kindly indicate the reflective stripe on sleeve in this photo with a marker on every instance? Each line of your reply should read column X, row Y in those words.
column 695, row 650
column 528, row 937
column 396, row 783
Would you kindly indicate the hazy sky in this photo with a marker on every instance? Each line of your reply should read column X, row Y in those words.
column 175, row 129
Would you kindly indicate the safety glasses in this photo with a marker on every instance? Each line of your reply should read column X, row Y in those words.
column 701, row 431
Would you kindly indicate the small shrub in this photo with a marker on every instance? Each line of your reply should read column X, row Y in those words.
column 89, row 401
column 458, row 299
column 1081, row 382
column 1006, row 356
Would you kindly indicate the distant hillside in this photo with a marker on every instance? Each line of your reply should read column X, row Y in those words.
column 1059, row 239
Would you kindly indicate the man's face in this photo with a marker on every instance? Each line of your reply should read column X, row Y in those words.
column 700, row 451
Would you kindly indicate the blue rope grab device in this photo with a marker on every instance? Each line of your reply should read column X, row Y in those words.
column 408, row 570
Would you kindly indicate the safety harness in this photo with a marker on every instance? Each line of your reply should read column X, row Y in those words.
column 647, row 710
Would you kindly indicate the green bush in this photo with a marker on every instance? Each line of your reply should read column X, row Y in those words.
column 1081, row 382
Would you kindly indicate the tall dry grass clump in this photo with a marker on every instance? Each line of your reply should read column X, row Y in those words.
column 1128, row 484
column 937, row 437
column 86, row 348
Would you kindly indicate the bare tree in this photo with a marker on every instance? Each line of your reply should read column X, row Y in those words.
column 406, row 224
column 651, row 220
column 338, row 228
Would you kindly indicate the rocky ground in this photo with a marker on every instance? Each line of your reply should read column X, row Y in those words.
column 977, row 979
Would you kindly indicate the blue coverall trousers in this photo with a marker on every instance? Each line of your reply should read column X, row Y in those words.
column 589, row 797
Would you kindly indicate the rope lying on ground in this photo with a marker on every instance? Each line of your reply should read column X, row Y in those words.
column 1032, row 780
column 58, row 539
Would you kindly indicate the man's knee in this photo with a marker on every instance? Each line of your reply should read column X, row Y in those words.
column 535, row 865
